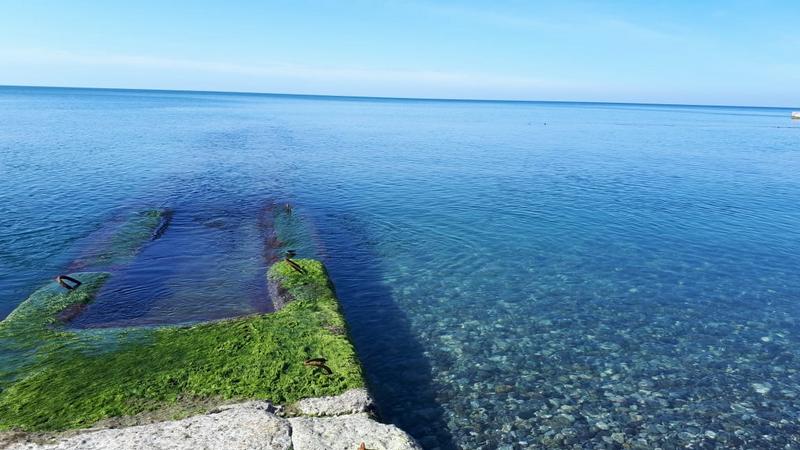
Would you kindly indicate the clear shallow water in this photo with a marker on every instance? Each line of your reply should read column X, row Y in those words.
column 623, row 275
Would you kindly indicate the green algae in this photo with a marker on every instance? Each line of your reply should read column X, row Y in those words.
column 36, row 318
column 35, row 327
column 175, row 368
column 35, row 331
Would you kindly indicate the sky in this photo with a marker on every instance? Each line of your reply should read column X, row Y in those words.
column 693, row 52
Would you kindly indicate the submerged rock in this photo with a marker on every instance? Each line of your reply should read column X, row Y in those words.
column 762, row 388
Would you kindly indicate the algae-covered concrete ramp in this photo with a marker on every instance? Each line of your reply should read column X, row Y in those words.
column 288, row 379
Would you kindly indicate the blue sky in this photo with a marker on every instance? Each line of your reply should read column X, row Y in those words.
column 708, row 52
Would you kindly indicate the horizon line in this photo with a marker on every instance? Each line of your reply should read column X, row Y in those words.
column 369, row 97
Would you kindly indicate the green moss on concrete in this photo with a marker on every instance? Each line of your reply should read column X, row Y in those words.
column 38, row 313
column 37, row 317
column 256, row 357
column 34, row 328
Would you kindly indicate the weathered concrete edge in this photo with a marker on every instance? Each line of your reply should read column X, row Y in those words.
column 252, row 425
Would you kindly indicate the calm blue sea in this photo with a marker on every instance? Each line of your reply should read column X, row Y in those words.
column 516, row 275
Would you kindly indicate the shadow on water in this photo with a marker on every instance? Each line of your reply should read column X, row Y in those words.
column 398, row 372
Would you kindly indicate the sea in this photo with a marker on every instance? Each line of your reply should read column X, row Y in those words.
column 514, row 274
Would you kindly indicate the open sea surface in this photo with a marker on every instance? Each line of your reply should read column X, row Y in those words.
column 515, row 274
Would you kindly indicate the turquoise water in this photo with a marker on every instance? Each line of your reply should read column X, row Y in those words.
column 517, row 275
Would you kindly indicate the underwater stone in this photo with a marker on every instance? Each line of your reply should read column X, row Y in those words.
column 762, row 388
column 503, row 388
column 564, row 419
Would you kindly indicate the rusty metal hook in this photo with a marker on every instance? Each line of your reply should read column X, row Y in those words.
column 62, row 280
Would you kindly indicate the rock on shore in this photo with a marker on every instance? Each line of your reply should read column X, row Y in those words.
column 340, row 422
